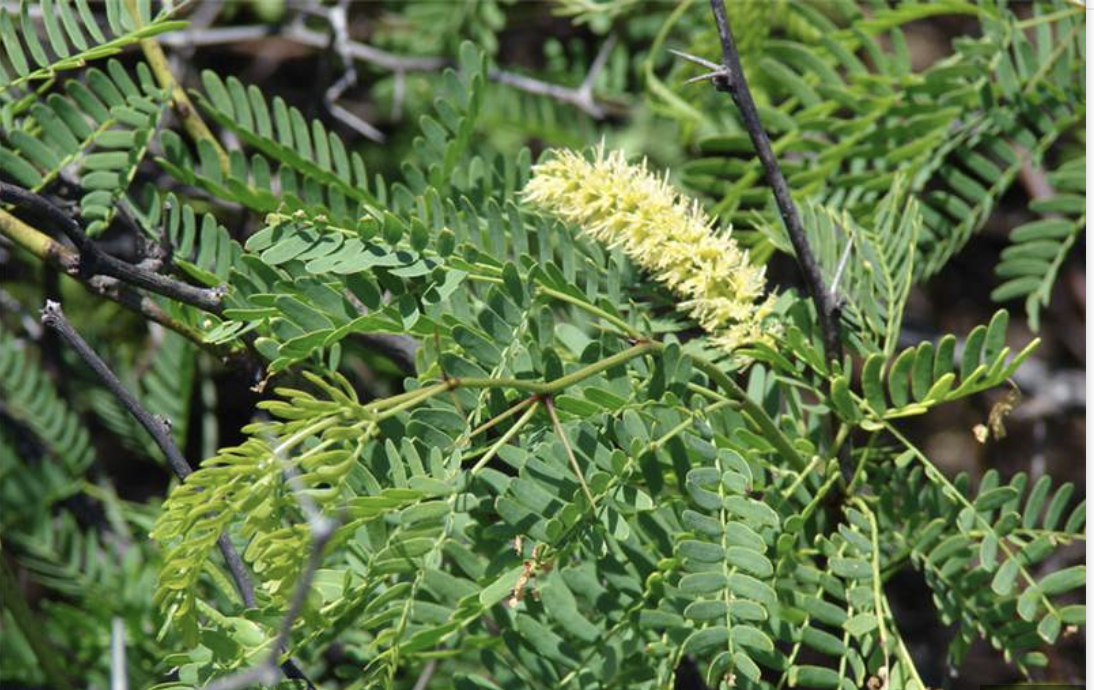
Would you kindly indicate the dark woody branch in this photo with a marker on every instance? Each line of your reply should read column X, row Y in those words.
column 63, row 259
column 398, row 349
column 94, row 261
column 115, row 279
column 730, row 77
column 159, row 430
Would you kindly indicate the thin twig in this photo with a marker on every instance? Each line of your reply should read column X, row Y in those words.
column 299, row 33
column 93, row 260
column 53, row 317
column 401, row 65
column 581, row 97
column 569, row 451
column 597, row 67
column 339, row 26
column 563, row 94
column 198, row 37
column 505, row 438
column 502, row 416
column 349, row 118
column 322, row 529
column 427, row 675
column 267, row 671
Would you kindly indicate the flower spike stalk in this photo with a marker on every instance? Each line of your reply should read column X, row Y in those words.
column 627, row 206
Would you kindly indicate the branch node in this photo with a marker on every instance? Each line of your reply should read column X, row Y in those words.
column 93, row 260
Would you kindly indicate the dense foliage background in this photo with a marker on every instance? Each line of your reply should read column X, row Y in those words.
column 936, row 152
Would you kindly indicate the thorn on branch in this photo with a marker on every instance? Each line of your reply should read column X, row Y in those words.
column 729, row 77
column 717, row 73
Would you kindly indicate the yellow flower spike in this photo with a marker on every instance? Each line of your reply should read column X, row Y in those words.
column 623, row 205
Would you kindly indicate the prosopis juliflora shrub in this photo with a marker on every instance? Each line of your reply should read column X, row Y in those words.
column 616, row 454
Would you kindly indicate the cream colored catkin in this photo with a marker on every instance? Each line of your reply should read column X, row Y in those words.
column 625, row 205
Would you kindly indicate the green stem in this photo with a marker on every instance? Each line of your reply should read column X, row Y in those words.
column 505, row 438
column 757, row 414
column 188, row 114
column 897, row 562
column 569, row 451
column 935, row 475
column 905, row 657
column 859, row 475
column 310, row 430
column 706, row 392
column 501, row 417
column 875, row 564
column 821, row 493
column 423, row 394
column 549, row 387
column 404, row 401
column 1050, row 61
column 841, row 436
column 48, row 657
column 691, row 415
column 69, row 159
column 395, row 400
column 592, row 309
column 754, row 411
column 1047, row 18
column 801, row 476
